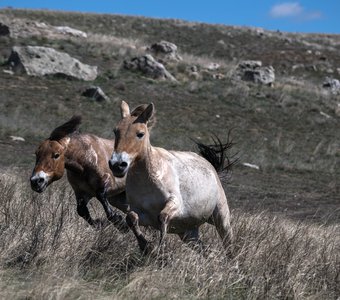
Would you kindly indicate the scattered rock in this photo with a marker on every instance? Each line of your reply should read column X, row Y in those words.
column 17, row 138
column 259, row 31
column 212, row 66
column 218, row 76
column 9, row 72
column 325, row 115
column 95, row 93
column 4, row 30
column 250, row 64
column 332, row 84
column 252, row 166
column 41, row 61
column 27, row 28
column 71, row 31
column 149, row 66
column 165, row 50
column 193, row 69
column 252, row 70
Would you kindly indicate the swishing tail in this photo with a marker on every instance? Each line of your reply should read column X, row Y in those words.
column 216, row 154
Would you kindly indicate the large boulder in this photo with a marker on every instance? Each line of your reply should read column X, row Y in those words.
column 27, row 28
column 252, row 70
column 165, row 51
column 149, row 67
column 41, row 61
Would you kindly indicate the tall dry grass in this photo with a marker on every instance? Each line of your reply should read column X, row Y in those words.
column 48, row 252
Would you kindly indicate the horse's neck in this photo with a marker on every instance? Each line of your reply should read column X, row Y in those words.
column 150, row 160
column 73, row 161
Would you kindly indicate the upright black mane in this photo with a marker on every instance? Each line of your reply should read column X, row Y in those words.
column 67, row 128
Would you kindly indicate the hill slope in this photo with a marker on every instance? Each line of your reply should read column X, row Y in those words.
column 291, row 130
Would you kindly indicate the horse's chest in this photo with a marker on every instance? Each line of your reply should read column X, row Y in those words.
column 147, row 205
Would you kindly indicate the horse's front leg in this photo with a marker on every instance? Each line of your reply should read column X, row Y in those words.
column 166, row 215
column 116, row 218
column 132, row 221
column 83, row 211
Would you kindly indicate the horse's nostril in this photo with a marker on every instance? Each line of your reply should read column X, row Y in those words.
column 41, row 180
column 123, row 164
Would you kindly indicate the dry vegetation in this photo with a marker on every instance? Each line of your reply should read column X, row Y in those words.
column 47, row 251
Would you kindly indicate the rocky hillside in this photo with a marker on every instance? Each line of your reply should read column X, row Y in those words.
column 278, row 92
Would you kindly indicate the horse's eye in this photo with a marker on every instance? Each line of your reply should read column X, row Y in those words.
column 140, row 135
column 56, row 155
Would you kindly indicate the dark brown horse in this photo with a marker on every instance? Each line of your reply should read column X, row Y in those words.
column 85, row 158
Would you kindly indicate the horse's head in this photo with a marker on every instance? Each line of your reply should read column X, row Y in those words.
column 131, row 137
column 50, row 156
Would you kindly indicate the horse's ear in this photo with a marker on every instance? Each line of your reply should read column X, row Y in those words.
column 124, row 109
column 67, row 128
column 146, row 115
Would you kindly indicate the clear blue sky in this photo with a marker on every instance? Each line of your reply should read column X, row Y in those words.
column 295, row 16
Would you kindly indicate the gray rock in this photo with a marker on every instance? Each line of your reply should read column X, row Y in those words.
column 250, row 64
column 333, row 84
column 212, row 66
column 70, row 31
column 27, row 28
column 149, row 66
column 41, row 61
column 17, row 138
column 253, row 71
column 96, row 93
column 4, row 30
column 165, row 50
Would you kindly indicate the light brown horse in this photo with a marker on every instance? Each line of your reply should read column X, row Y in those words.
column 171, row 191
column 85, row 158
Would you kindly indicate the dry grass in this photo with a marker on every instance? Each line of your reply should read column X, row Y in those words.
column 47, row 251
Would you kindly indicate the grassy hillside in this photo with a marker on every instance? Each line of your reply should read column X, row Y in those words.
column 290, row 130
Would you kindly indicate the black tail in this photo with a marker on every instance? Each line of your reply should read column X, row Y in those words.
column 216, row 154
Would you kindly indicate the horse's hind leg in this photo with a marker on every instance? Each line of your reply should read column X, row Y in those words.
column 132, row 221
column 221, row 220
column 191, row 238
